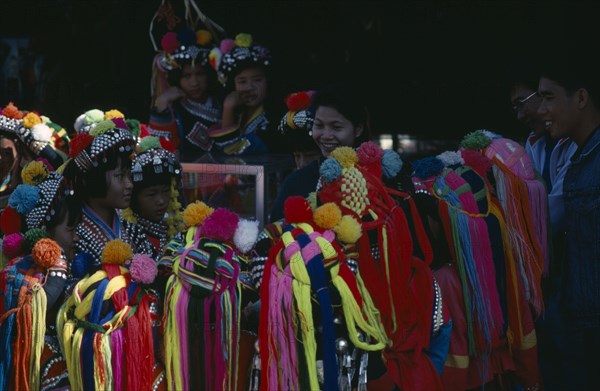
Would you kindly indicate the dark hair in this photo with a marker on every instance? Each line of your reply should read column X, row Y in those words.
column 573, row 75
column 348, row 102
column 93, row 183
column 65, row 204
column 213, row 86
column 526, row 73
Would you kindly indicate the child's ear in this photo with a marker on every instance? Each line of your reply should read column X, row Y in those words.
column 358, row 130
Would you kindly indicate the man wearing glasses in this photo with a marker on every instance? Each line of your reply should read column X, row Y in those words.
column 551, row 159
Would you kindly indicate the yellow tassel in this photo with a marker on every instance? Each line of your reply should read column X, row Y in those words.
column 38, row 331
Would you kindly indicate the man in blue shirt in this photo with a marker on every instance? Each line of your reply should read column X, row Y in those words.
column 570, row 107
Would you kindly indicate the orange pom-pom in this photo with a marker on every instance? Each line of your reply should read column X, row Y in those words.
column 116, row 252
column 46, row 253
column 297, row 210
column 328, row 215
column 11, row 111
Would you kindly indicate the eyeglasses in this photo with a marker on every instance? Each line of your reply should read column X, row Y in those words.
column 521, row 103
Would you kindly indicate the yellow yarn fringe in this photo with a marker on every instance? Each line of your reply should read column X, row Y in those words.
column 38, row 331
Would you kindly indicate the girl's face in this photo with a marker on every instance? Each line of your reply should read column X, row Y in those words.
column 65, row 236
column 251, row 84
column 120, row 187
column 153, row 201
column 194, row 82
column 331, row 130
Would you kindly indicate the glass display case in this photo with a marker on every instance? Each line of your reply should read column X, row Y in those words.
column 246, row 185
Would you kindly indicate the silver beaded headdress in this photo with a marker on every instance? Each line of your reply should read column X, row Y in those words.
column 9, row 125
column 106, row 135
column 156, row 160
column 236, row 54
column 45, row 206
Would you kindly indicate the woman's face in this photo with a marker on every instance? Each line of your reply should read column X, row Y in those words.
column 194, row 82
column 152, row 202
column 251, row 84
column 65, row 236
column 331, row 130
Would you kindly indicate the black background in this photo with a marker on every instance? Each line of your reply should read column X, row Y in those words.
column 434, row 69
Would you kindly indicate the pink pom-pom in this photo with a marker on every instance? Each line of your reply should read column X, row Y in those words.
column 46, row 163
column 220, row 225
column 12, row 245
column 143, row 268
column 120, row 123
column 169, row 42
column 226, row 45
column 369, row 153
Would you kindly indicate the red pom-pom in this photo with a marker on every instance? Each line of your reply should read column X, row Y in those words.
column 144, row 132
column 298, row 101
column 296, row 209
column 478, row 162
column 79, row 143
column 220, row 225
column 169, row 42
column 369, row 153
column 10, row 221
column 167, row 144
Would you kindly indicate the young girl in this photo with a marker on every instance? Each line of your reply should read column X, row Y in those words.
column 39, row 223
column 100, row 173
column 189, row 105
column 245, row 127
column 154, row 205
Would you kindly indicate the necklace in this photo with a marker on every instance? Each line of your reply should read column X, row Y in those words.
column 206, row 111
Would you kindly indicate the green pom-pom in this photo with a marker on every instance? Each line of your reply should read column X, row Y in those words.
column 134, row 126
column 93, row 116
column 101, row 127
column 476, row 140
column 148, row 143
column 31, row 237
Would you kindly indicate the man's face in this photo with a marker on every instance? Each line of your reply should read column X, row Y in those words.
column 558, row 109
column 525, row 102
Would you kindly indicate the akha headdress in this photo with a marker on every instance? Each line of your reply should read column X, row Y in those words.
column 233, row 55
column 95, row 139
column 106, row 325
column 296, row 125
column 24, row 284
column 207, row 287
column 391, row 269
column 307, row 289
column 525, row 203
column 43, row 137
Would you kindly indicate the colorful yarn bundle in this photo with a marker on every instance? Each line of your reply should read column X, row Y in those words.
column 203, row 299
column 400, row 283
column 304, row 254
column 525, row 204
column 105, row 327
column 23, row 314
column 463, row 208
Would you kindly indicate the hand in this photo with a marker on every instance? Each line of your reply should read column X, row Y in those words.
column 165, row 99
column 233, row 100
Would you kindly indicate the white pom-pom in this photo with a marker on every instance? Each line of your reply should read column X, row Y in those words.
column 41, row 132
column 245, row 235
column 451, row 158
column 79, row 122
column 490, row 134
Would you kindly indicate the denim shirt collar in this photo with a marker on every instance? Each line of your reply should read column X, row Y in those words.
column 589, row 147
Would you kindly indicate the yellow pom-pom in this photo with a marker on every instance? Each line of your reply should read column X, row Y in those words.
column 128, row 215
column 243, row 40
column 328, row 215
column 34, row 173
column 346, row 156
column 116, row 251
column 348, row 230
column 194, row 214
column 203, row 37
column 113, row 114
column 31, row 119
